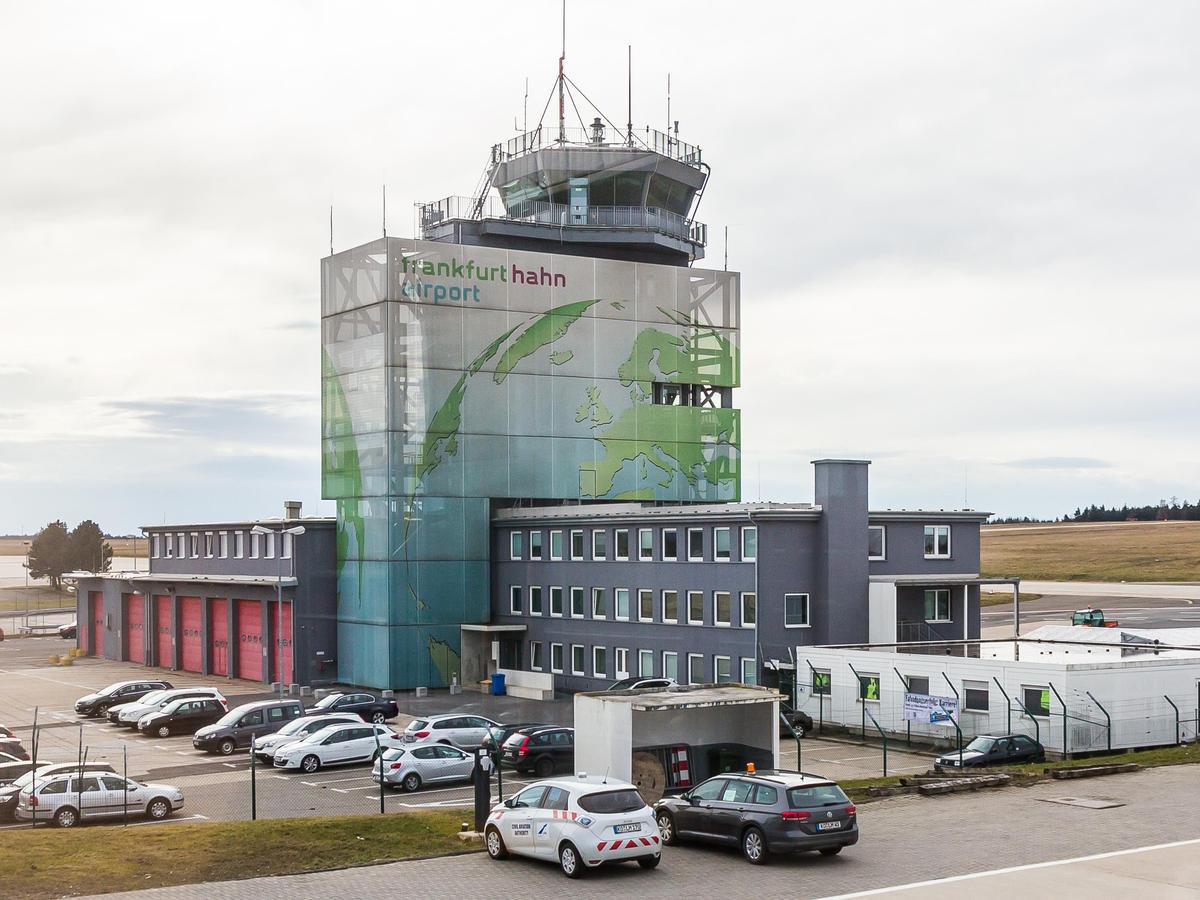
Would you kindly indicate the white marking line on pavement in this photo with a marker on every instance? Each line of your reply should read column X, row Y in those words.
column 230, row 765
column 281, row 777
column 333, row 781
column 1025, row 868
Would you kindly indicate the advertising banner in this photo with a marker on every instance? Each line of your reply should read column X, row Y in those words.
column 929, row 709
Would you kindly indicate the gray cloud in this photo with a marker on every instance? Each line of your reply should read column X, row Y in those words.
column 1059, row 462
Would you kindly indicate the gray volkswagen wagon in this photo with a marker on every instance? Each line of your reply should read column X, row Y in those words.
column 238, row 727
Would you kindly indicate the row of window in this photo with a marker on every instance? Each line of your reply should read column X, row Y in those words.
column 218, row 545
column 721, row 545
column 615, row 665
column 643, row 606
column 975, row 696
column 937, row 542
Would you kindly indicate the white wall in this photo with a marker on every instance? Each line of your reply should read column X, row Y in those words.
column 881, row 616
column 603, row 737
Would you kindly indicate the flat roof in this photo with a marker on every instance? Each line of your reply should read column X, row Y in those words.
column 243, row 523
column 766, row 510
column 162, row 577
column 690, row 696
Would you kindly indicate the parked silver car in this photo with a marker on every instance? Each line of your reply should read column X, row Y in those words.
column 412, row 766
column 68, row 799
column 130, row 713
column 460, row 730
column 266, row 746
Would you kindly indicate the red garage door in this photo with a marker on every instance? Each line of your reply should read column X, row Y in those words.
column 218, row 636
column 193, row 650
column 247, row 622
column 95, row 644
column 163, row 654
column 135, row 628
column 280, row 623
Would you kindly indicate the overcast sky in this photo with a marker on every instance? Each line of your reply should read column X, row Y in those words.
column 968, row 233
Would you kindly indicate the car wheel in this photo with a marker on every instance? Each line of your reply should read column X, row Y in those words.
column 649, row 862
column 164, row 731
column 66, row 817
column 754, row 847
column 227, row 747
column 831, row 851
column 544, row 767
column 158, row 808
column 101, row 710
column 411, row 782
column 569, row 860
column 495, row 843
column 378, row 718
column 800, row 729
column 666, row 828
column 310, row 764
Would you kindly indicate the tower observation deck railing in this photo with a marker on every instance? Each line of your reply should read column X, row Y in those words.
column 647, row 218
column 547, row 137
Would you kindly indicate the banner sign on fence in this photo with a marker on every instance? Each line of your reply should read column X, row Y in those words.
column 930, row 709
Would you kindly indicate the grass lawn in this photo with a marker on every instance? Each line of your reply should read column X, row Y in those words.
column 1005, row 599
column 120, row 546
column 49, row 862
column 18, row 599
column 1122, row 551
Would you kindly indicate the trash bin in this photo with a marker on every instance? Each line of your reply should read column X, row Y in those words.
column 497, row 684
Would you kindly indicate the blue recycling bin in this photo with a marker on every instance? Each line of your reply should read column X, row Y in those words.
column 497, row 684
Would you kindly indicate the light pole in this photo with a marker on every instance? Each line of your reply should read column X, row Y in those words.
column 281, row 531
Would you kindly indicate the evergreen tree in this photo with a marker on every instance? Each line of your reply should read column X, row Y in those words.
column 50, row 553
column 89, row 551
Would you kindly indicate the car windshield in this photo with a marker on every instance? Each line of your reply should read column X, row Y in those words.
column 624, row 684
column 111, row 689
column 981, row 745
column 622, row 801
column 328, row 701
column 172, row 706
column 154, row 697
column 817, row 795
column 232, row 717
column 417, row 724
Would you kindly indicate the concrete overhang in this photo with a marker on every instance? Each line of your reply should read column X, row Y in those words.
column 183, row 578
column 492, row 629
column 690, row 696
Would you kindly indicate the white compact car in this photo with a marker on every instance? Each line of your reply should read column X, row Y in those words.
column 579, row 822
column 297, row 730
column 68, row 799
column 130, row 713
column 464, row 731
column 337, row 745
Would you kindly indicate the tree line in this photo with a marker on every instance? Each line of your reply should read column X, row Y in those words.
column 56, row 550
column 1165, row 510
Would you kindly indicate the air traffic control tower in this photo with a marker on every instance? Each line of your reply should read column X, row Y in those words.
column 546, row 341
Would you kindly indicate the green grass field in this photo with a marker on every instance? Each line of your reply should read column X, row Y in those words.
column 48, row 862
column 33, row 598
column 120, row 546
column 1122, row 551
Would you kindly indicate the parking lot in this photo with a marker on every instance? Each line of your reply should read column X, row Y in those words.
column 217, row 787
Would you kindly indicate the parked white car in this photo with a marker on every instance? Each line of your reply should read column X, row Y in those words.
column 463, row 731
column 297, row 730
column 337, row 745
column 68, row 799
column 130, row 713
column 413, row 765
column 580, row 822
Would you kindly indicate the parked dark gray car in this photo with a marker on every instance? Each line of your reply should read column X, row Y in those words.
column 993, row 750
column 762, row 813
column 238, row 727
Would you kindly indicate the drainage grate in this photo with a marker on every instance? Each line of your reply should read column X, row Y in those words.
column 1085, row 802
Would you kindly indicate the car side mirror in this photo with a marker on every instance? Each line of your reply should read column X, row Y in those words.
column 694, row 801
column 510, row 802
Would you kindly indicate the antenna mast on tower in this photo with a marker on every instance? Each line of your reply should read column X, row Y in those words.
column 562, row 108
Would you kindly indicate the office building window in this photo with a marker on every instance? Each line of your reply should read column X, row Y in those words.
column 286, row 544
column 868, row 687
column 535, row 601
column 621, row 662
column 670, row 607
column 556, row 606
column 975, row 696
column 749, row 610
column 670, row 665
column 937, row 541
column 822, row 683
column 645, row 544
column 722, row 608
column 937, row 605
column 646, row 663
column 223, row 544
column 535, row 545
column 239, row 544
column 269, row 545
column 670, row 544
column 795, row 610
column 749, row 676
column 749, row 544
column 576, row 545
column 621, row 541
column 181, row 545
column 876, row 542
column 599, row 604
column 722, row 546
column 695, row 607
column 600, row 662
column 255, row 545
column 514, row 545
column 535, row 655
column 646, row 606
column 1037, row 700
column 621, row 600
column 195, row 545
column 695, row 668
column 599, row 544
column 577, row 659
column 556, row 658
column 208, row 545
column 695, row 538
column 918, row 684
column 154, row 547
column 577, row 603
column 556, row 545
column 722, row 670
column 514, row 600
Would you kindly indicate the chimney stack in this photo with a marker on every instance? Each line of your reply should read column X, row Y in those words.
column 291, row 509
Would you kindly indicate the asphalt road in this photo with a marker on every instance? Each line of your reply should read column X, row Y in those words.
column 1146, row 612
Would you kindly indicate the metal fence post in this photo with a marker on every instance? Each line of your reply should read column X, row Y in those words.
column 955, row 720
column 1007, row 702
column 33, row 743
column 1176, row 708
column 861, row 701
column 1108, row 719
column 1066, row 743
column 907, row 723
column 125, row 775
column 883, row 735
column 253, row 782
column 379, row 762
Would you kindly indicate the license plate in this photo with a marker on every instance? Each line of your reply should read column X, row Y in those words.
column 828, row 826
column 626, row 829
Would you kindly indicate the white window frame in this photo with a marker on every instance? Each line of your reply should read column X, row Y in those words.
column 559, row 670
column 807, row 611
column 663, row 538
column 617, row 532
column 583, row 604
column 690, row 620
column 194, row 540
column 599, row 667
column 690, row 532
column 728, row 623
column 574, row 532
column 255, row 545
column 748, row 529
column 748, row 677
column 285, row 545
column 209, row 545
column 937, row 619
column 717, row 659
column 559, row 614
column 620, row 663
column 599, row 592
column 675, row 657
column 663, row 605
column 640, row 617
column 742, row 607
column 535, row 648
column 617, row 604
column 582, row 659
column 603, row 534
column 223, row 544
column 559, row 555
column 643, row 555
column 239, row 545
column 540, row 611
column 937, row 529
column 882, row 529
column 182, row 545
column 269, row 545
column 514, row 599
column 538, row 533
column 976, row 686
column 515, row 545
column 694, row 657
column 154, row 546
column 643, row 655
column 729, row 540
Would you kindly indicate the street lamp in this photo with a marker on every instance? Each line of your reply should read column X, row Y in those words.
column 281, row 531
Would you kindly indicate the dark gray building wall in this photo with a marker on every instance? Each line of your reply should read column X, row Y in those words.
column 910, row 607
column 841, row 492
column 788, row 563
column 905, row 544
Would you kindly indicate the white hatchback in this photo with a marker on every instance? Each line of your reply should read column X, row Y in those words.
column 337, row 745
column 580, row 822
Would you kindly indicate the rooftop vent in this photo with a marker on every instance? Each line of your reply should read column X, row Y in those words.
column 291, row 509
